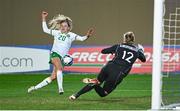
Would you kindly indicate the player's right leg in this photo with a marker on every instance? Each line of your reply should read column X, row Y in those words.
column 45, row 82
column 89, row 80
column 100, row 78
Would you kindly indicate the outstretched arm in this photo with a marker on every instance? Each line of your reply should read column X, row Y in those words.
column 141, row 53
column 88, row 34
column 44, row 25
column 142, row 56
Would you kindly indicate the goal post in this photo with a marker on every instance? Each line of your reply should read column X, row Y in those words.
column 166, row 55
column 157, row 51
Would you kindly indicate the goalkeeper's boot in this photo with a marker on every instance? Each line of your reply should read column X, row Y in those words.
column 88, row 80
column 32, row 88
column 72, row 97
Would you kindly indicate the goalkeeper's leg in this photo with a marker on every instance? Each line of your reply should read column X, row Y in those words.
column 91, row 84
column 85, row 89
column 109, row 85
column 107, row 88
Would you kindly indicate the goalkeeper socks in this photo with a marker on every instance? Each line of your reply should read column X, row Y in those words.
column 85, row 89
column 60, row 81
column 43, row 83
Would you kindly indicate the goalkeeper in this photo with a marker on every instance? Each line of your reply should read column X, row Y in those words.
column 115, row 70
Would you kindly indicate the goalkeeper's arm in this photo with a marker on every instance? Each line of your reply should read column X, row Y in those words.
column 141, row 53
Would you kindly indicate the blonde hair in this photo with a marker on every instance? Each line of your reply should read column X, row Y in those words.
column 129, row 37
column 57, row 20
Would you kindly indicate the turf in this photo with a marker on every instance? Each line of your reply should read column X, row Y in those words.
column 133, row 93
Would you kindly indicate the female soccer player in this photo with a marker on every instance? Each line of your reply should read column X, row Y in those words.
column 60, row 27
column 115, row 70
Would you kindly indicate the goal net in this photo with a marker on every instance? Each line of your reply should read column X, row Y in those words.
column 170, row 91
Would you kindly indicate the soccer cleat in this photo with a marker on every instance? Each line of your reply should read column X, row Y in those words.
column 32, row 88
column 72, row 97
column 88, row 80
column 61, row 93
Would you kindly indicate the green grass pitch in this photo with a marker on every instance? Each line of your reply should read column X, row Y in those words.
column 133, row 93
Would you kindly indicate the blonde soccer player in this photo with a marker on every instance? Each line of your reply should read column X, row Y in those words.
column 60, row 29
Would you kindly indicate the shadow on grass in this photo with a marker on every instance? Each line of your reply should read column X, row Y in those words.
column 114, row 99
column 104, row 100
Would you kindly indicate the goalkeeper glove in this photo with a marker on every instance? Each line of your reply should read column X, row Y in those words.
column 140, row 47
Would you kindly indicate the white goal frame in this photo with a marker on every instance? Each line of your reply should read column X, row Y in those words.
column 158, row 26
column 157, row 51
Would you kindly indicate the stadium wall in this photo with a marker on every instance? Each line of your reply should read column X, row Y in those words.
column 20, row 20
column 87, row 59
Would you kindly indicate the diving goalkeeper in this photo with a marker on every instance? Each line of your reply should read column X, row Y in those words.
column 113, row 73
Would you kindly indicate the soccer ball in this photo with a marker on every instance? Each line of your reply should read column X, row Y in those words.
column 67, row 60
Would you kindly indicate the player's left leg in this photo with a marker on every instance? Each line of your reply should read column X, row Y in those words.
column 57, row 63
column 85, row 89
column 107, row 88
column 91, row 83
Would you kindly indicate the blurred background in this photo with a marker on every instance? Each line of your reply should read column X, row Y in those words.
column 20, row 21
